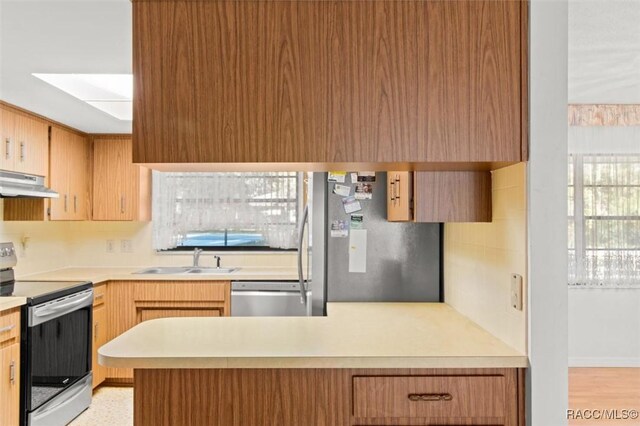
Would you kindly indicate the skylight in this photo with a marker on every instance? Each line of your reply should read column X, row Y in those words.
column 110, row 93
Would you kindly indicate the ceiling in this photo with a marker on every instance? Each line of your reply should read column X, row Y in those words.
column 63, row 37
column 86, row 36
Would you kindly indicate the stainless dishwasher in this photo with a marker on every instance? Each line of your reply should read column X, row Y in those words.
column 268, row 299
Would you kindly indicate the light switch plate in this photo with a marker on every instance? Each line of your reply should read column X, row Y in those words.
column 516, row 291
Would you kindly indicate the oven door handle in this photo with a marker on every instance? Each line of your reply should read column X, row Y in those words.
column 39, row 316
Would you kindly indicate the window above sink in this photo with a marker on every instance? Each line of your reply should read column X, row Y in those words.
column 242, row 211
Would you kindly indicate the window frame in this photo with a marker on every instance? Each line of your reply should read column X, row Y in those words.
column 578, row 245
column 299, row 182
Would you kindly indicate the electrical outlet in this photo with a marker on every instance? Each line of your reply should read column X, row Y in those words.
column 516, row 291
column 110, row 246
column 126, row 246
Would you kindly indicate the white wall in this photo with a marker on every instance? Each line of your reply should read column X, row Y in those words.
column 48, row 247
column 604, row 328
column 547, row 378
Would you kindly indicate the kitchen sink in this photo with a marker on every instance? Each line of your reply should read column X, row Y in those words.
column 185, row 270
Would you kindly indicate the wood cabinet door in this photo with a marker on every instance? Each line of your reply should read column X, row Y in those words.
column 496, row 95
column 453, row 197
column 399, row 196
column 99, row 339
column 31, row 146
column 316, row 81
column 60, row 157
column 114, row 180
column 146, row 314
column 10, row 384
column 7, row 122
column 79, row 178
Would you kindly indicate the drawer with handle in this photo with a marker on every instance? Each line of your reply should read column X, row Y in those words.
column 10, row 325
column 99, row 294
column 429, row 396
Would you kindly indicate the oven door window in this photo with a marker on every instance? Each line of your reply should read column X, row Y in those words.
column 59, row 355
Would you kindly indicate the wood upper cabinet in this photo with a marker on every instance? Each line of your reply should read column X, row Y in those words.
column 437, row 196
column 7, row 130
column 10, row 367
column 31, row 146
column 317, row 81
column 121, row 189
column 69, row 175
column 25, row 143
column 399, row 196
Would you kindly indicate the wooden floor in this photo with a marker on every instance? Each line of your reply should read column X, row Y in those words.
column 604, row 388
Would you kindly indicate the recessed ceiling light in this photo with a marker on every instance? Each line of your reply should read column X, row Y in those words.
column 110, row 93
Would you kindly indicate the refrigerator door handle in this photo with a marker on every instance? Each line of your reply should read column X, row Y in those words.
column 303, row 221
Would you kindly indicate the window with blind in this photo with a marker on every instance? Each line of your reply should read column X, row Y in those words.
column 225, row 211
column 604, row 220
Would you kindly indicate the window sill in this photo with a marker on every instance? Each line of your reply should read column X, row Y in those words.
column 226, row 253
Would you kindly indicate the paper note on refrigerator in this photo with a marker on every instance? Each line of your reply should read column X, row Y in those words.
column 358, row 250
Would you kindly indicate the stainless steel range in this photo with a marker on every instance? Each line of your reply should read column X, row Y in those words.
column 55, row 345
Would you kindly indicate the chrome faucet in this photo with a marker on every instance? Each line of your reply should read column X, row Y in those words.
column 196, row 257
column 217, row 261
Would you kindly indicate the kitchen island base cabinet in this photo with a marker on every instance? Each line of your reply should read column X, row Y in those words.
column 340, row 397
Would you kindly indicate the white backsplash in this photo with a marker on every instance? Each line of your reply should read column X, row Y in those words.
column 55, row 245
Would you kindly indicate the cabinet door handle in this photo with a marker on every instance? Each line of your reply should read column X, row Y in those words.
column 22, row 152
column 122, row 204
column 429, row 397
column 392, row 191
column 75, row 203
column 7, row 328
column 66, row 199
column 12, row 372
column 95, row 332
column 7, row 148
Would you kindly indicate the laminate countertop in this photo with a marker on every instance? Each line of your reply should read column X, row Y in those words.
column 9, row 302
column 100, row 275
column 353, row 335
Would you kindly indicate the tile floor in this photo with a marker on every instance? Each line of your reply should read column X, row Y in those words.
column 111, row 406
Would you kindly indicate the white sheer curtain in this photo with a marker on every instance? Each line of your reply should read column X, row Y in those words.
column 191, row 202
column 604, row 220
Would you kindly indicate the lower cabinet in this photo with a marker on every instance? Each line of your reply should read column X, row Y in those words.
column 10, row 367
column 99, row 332
column 99, row 339
column 330, row 397
column 132, row 302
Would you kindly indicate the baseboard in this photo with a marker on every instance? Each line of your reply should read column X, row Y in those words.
column 604, row 362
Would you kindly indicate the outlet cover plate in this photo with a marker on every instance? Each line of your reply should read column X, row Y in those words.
column 516, row 291
column 126, row 246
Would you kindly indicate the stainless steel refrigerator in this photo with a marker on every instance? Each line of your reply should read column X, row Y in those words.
column 403, row 261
